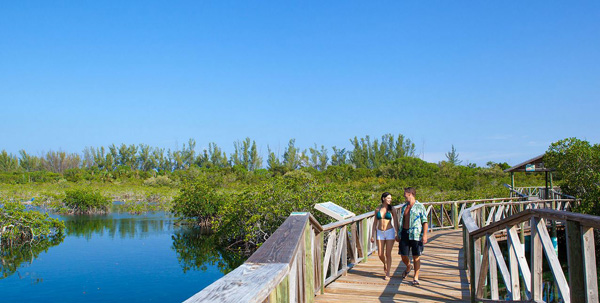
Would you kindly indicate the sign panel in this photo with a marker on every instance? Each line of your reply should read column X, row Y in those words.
column 333, row 210
column 530, row 167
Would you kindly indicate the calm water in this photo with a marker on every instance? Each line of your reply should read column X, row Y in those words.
column 114, row 258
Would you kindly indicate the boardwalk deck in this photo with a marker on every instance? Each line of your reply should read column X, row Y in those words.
column 442, row 277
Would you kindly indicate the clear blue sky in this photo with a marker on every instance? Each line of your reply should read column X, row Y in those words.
column 499, row 80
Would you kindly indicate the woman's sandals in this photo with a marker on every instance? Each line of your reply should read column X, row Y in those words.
column 385, row 271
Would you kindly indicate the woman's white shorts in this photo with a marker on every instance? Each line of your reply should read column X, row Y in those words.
column 386, row 234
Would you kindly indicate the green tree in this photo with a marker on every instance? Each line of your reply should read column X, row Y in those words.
column 452, row 156
column 8, row 162
column 292, row 158
column 197, row 200
column 578, row 165
column 339, row 156
column 28, row 162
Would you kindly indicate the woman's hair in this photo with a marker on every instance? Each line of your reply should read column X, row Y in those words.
column 383, row 196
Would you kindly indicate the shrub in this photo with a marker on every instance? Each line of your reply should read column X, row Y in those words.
column 197, row 200
column 18, row 226
column 86, row 202
column 158, row 181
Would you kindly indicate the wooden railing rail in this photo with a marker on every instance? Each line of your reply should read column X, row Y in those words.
column 301, row 257
column 484, row 257
column 286, row 268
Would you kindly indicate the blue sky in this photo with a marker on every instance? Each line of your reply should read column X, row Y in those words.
column 499, row 80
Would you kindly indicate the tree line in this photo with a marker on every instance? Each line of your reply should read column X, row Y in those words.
column 366, row 153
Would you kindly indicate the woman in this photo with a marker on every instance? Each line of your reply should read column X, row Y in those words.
column 385, row 231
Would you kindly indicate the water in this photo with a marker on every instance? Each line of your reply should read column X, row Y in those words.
column 115, row 258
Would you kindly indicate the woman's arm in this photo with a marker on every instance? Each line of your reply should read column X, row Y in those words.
column 374, row 229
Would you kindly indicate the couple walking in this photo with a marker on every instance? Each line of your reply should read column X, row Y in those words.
column 410, row 230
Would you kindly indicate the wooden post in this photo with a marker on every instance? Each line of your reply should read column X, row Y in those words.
column 455, row 218
column 366, row 240
column 514, row 268
column 309, row 278
column 472, row 272
column 589, row 262
column 575, row 258
column 512, row 183
column 322, row 266
column 536, row 261
column 493, row 279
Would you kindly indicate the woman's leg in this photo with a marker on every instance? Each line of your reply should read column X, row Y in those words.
column 389, row 245
column 381, row 252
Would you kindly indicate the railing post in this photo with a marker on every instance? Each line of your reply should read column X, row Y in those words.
column 536, row 261
column 455, row 218
column 575, row 258
column 589, row 262
column 309, row 278
column 365, row 240
column 472, row 271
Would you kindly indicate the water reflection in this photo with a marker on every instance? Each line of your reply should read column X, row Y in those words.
column 197, row 249
column 12, row 258
column 117, row 225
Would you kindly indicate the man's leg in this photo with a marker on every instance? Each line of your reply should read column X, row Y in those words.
column 417, row 262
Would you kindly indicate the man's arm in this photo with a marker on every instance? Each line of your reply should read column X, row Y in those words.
column 425, row 225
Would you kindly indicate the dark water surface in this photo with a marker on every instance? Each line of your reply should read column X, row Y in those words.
column 115, row 258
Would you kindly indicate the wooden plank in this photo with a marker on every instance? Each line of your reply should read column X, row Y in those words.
column 490, row 216
column 536, row 261
column 328, row 254
column 339, row 249
column 501, row 264
column 514, row 267
column 493, row 269
column 589, row 260
column 281, row 293
column 321, row 255
column 575, row 258
column 553, row 261
column 499, row 213
column 514, row 238
column 483, row 269
column 353, row 243
column 248, row 283
column 281, row 246
column 309, row 278
column 293, row 281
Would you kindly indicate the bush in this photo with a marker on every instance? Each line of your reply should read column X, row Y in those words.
column 197, row 200
column 18, row 226
column 86, row 202
column 158, row 181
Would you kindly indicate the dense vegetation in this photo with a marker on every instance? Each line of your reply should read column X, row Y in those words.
column 18, row 226
column 234, row 194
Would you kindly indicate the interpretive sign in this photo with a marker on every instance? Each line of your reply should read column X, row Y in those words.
column 530, row 167
column 333, row 210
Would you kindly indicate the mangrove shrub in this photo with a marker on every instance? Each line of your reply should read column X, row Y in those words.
column 19, row 226
column 86, row 202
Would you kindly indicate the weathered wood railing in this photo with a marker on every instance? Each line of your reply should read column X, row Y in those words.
column 484, row 257
column 286, row 268
column 301, row 257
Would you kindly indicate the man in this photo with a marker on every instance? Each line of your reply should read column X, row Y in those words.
column 413, row 232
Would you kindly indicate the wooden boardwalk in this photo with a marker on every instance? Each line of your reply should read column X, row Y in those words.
column 442, row 278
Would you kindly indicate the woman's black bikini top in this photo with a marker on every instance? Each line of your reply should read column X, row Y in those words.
column 388, row 215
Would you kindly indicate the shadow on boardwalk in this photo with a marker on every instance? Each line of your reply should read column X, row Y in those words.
column 442, row 277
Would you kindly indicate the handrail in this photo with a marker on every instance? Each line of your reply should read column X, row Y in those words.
column 301, row 257
column 484, row 257
column 283, row 267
